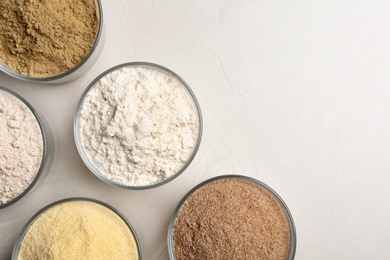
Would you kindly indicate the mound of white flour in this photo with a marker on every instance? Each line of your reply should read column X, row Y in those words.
column 21, row 147
column 138, row 125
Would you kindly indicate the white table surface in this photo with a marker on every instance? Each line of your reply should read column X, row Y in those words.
column 293, row 93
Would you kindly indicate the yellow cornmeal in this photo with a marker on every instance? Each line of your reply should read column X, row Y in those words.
column 78, row 230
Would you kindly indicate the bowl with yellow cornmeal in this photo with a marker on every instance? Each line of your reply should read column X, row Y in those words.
column 51, row 42
column 77, row 228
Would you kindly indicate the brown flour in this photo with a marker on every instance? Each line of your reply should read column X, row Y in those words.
column 41, row 38
column 231, row 219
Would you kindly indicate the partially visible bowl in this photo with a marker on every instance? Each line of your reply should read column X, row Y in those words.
column 231, row 214
column 43, row 143
column 79, row 222
column 78, row 70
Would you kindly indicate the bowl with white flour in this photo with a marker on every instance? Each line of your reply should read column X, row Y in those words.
column 23, row 147
column 138, row 125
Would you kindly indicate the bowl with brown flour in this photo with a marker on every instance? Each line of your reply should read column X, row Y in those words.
column 231, row 217
column 138, row 125
column 23, row 147
column 50, row 42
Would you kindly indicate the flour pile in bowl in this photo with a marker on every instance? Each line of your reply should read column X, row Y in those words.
column 138, row 125
column 21, row 147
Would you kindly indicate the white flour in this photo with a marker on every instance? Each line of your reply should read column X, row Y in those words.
column 21, row 147
column 138, row 126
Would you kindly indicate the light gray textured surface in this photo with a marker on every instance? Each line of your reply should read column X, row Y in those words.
column 293, row 93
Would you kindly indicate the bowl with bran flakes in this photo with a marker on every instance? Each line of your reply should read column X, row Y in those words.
column 231, row 217
column 57, row 42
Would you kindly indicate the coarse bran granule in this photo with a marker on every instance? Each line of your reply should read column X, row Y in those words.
column 21, row 147
column 231, row 219
column 41, row 38
column 138, row 125
column 78, row 230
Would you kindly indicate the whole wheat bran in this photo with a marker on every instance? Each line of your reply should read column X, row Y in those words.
column 231, row 219
column 41, row 38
